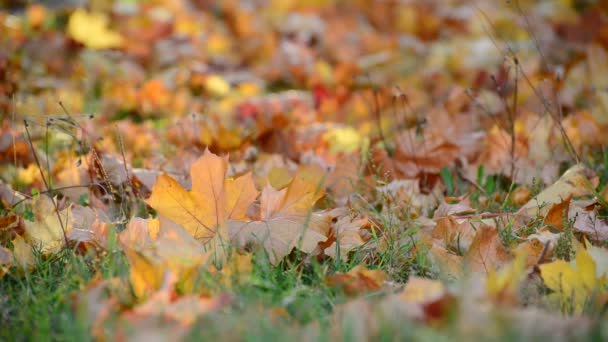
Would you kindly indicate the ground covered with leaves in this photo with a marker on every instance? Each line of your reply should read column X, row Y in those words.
column 311, row 170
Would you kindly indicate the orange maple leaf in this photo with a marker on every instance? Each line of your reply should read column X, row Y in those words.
column 204, row 210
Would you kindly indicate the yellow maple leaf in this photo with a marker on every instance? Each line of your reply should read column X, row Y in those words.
column 204, row 210
column 503, row 285
column 345, row 139
column 91, row 29
column 157, row 250
column 50, row 228
column 217, row 86
column 146, row 272
column 23, row 254
column 572, row 286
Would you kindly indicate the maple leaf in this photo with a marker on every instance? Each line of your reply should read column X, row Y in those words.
column 573, row 285
column 503, row 285
column 574, row 182
column 286, row 220
column 6, row 261
column 358, row 280
column 343, row 139
column 49, row 227
column 91, row 29
column 23, row 254
column 486, row 251
column 204, row 210
column 430, row 297
column 140, row 233
column 346, row 231
column 157, row 249
column 90, row 227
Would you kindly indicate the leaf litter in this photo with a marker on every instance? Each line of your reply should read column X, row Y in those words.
column 435, row 163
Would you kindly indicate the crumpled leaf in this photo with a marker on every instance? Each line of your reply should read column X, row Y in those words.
column 573, row 183
column 346, row 232
column 91, row 29
column 90, row 227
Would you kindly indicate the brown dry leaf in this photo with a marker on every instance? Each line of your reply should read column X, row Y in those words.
column 430, row 296
column 358, row 280
column 8, row 196
column 456, row 234
column 213, row 200
column 447, row 262
column 346, row 232
column 573, row 183
column 10, row 225
column 414, row 156
column 286, row 220
column 486, row 251
column 97, row 302
column 558, row 213
column 538, row 247
column 421, row 290
column 91, row 227
column 6, row 261
column 588, row 223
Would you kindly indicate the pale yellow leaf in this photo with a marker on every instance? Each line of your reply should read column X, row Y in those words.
column 91, row 29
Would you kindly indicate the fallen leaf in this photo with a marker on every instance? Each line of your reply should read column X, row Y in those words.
column 558, row 214
column 573, row 183
column 344, row 139
column 139, row 234
column 358, row 280
column 286, row 220
column 430, row 296
column 145, row 274
column 486, row 251
column 217, row 86
column 503, row 286
column 91, row 29
column 572, row 285
column 213, row 200
column 50, row 227
column 23, row 254
column 346, row 232
column 6, row 261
